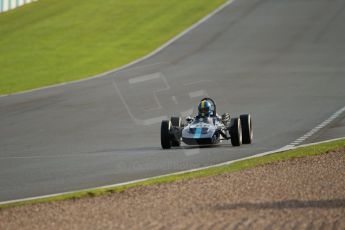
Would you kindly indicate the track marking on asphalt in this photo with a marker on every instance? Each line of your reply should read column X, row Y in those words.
column 156, row 51
column 170, row 174
column 144, row 78
column 316, row 129
column 197, row 82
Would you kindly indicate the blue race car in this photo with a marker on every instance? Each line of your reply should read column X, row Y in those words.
column 207, row 128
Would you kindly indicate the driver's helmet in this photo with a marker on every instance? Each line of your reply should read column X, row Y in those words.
column 204, row 108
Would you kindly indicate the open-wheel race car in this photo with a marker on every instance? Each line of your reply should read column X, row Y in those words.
column 207, row 128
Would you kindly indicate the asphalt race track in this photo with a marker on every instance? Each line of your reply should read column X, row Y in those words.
column 283, row 61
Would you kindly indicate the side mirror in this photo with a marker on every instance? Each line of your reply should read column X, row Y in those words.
column 189, row 119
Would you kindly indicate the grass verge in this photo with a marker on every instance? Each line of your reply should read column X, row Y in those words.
column 241, row 165
column 54, row 41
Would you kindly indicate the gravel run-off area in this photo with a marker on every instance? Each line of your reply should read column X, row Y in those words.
column 305, row 193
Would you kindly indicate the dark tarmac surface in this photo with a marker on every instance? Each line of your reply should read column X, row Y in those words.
column 282, row 61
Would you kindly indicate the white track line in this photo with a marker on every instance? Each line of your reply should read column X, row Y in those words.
column 317, row 128
column 170, row 174
column 207, row 17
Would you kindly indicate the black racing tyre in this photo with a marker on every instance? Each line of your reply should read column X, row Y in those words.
column 176, row 122
column 165, row 134
column 247, row 128
column 235, row 132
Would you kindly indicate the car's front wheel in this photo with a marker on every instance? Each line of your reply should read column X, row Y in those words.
column 235, row 132
column 176, row 122
column 165, row 134
column 247, row 128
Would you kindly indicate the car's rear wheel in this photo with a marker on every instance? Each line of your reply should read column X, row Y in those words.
column 176, row 122
column 165, row 134
column 235, row 132
column 247, row 128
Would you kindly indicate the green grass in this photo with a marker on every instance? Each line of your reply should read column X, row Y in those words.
column 54, row 41
column 241, row 165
